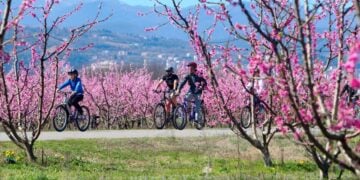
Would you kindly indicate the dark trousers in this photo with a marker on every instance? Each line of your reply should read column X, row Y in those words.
column 257, row 100
column 74, row 101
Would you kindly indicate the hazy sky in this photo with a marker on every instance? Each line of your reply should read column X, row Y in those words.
column 150, row 3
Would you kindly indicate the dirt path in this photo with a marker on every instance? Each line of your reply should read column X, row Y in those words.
column 112, row 134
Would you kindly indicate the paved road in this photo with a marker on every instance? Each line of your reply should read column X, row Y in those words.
column 112, row 134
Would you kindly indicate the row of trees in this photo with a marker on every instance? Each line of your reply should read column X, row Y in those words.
column 301, row 64
column 121, row 98
column 124, row 97
column 32, row 66
column 301, row 49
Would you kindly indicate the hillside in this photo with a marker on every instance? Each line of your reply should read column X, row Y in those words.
column 123, row 36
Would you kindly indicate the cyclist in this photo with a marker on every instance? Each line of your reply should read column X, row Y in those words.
column 172, row 81
column 197, row 85
column 256, row 86
column 77, row 92
column 352, row 93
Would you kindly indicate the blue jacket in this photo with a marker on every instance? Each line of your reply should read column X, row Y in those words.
column 75, row 85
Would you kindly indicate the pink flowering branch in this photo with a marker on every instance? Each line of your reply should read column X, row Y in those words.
column 304, row 92
column 29, row 104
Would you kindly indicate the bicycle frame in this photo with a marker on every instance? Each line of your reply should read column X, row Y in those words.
column 164, row 99
column 352, row 101
column 190, row 110
column 186, row 106
column 71, row 116
column 65, row 103
column 257, row 102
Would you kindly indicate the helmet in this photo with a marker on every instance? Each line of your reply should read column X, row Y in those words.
column 169, row 69
column 73, row 71
column 192, row 64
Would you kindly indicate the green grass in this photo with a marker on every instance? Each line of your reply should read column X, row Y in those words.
column 159, row 158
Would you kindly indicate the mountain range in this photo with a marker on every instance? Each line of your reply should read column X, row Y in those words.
column 128, row 19
column 125, row 32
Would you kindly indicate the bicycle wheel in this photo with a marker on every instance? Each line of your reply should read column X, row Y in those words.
column 159, row 116
column 61, row 118
column 83, row 121
column 179, row 119
column 201, row 120
column 245, row 117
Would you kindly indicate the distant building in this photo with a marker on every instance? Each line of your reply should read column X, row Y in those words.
column 105, row 52
column 144, row 54
column 101, row 65
column 160, row 56
column 122, row 53
column 94, row 57
column 145, row 63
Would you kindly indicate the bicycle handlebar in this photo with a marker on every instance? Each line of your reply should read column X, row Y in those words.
column 158, row 91
column 162, row 91
column 66, row 93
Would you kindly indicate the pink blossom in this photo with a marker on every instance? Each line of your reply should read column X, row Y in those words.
column 355, row 83
column 149, row 29
column 4, row 57
column 239, row 26
column 140, row 14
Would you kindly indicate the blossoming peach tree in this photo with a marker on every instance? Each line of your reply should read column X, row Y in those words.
column 299, row 51
column 30, row 64
column 121, row 98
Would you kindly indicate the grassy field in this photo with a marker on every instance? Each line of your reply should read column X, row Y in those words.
column 160, row 158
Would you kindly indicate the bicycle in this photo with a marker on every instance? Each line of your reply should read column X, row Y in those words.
column 353, row 101
column 259, row 113
column 186, row 111
column 160, row 117
column 64, row 116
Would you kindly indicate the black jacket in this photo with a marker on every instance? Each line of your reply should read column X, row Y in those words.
column 193, row 80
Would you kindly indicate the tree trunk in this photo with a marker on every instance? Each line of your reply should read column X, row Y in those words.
column 321, row 161
column 266, row 156
column 324, row 171
column 29, row 148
